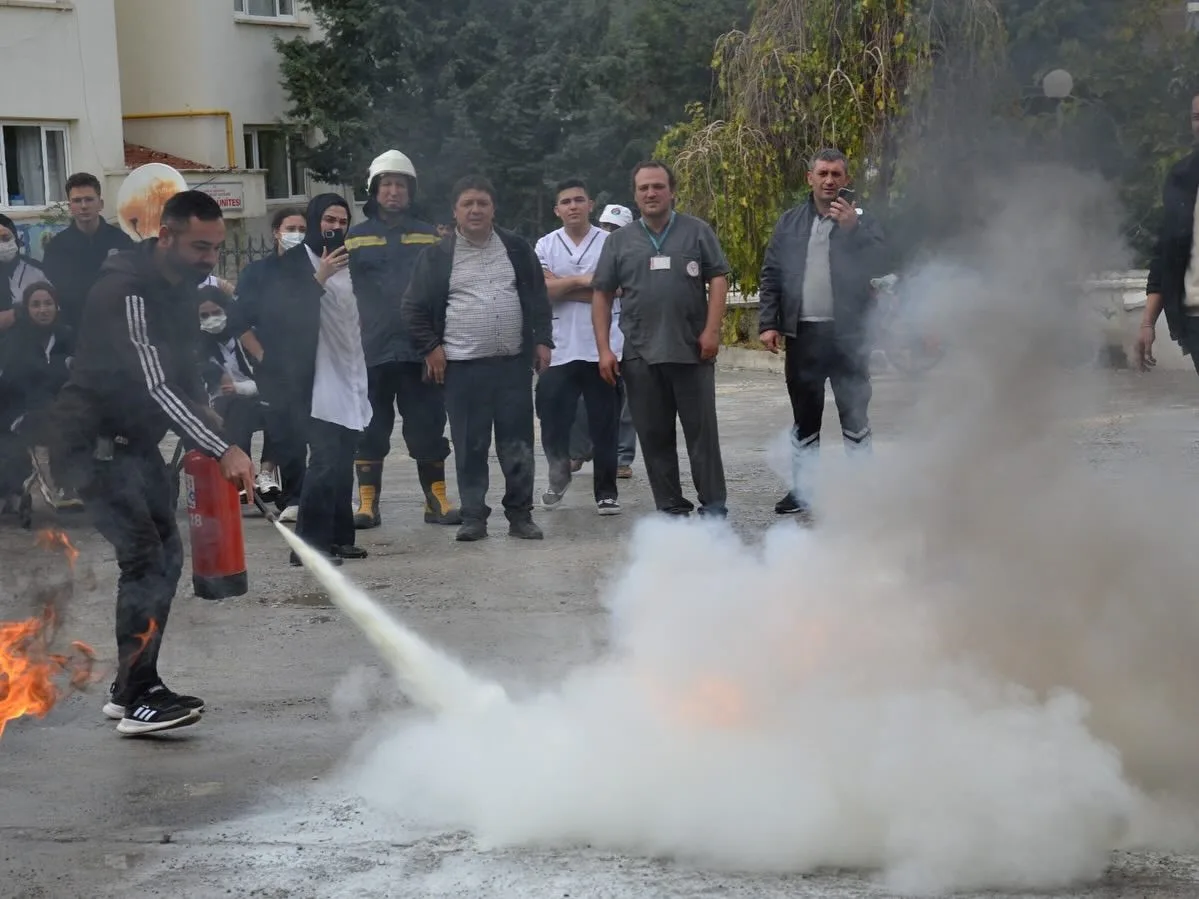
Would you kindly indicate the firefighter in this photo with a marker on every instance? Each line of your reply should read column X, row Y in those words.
column 383, row 251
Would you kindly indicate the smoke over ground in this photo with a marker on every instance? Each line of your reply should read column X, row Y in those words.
column 973, row 674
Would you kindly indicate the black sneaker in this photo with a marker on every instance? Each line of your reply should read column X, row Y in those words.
column 793, row 505
column 115, row 707
column 607, row 507
column 472, row 529
column 525, row 529
column 155, row 710
column 331, row 559
column 348, row 551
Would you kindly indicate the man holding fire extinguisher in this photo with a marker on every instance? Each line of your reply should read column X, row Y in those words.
column 135, row 378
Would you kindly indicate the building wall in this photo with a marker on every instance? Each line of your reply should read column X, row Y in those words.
column 60, row 64
column 230, row 64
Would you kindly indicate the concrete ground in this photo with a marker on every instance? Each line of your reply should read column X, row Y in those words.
column 241, row 805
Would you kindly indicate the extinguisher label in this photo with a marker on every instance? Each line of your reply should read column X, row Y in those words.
column 189, row 484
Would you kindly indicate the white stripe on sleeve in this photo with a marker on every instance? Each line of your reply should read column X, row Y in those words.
column 188, row 423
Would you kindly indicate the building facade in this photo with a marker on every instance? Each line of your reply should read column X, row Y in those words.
column 106, row 85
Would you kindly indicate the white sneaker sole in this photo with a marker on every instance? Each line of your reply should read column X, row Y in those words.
column 130, row 728
column 117, row 712
column 609, row 510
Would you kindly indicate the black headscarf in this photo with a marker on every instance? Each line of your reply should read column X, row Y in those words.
column 315, row 238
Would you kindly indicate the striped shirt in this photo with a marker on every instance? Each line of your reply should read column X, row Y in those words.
column 483, row 318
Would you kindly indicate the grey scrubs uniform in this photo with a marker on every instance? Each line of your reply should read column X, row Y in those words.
column 664, row 308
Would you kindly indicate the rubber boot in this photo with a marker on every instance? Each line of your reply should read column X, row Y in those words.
column 438, row 509
column 370, row 485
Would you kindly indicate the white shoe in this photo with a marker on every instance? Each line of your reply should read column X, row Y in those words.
column 267, row 484
column 290, row 514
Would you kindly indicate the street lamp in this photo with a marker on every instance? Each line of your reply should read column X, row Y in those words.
column 1058, row 84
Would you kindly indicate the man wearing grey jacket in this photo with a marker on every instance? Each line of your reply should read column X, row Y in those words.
column 815, row 297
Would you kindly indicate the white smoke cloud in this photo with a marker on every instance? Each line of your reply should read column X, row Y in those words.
column 970, row 675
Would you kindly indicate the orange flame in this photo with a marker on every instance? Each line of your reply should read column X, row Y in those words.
column 28, row 669
column 144, row 639
column 55, row 539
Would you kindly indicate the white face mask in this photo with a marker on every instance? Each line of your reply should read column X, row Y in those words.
column 289, row 240
column 214, row 324
column 8, row 251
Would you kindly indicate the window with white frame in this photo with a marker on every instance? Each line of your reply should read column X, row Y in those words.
column 266, row 9
column 278, row 153
column 34, row 163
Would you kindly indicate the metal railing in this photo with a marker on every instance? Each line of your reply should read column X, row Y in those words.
column 239, row 250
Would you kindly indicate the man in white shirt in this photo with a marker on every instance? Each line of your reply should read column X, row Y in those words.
column 569, row 256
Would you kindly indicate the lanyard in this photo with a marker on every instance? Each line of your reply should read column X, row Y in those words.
column 658, row 242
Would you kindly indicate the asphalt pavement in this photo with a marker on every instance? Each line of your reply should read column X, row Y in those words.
column 246, row 803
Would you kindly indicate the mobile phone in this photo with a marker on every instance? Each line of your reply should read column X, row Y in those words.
column 334, row 240
column 846, row 194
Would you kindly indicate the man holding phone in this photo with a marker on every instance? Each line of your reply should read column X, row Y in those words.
column 815, row 293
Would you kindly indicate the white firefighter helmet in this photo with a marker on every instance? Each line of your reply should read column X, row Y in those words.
column 393, row 162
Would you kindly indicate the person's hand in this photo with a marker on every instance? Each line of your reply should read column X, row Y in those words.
column 332, row 263
column 7, row 318
column 772, row 340
column 237, row 468
column 609, row 367
column 227, row 385
column 226, row 287
column 541, row 358
column 709, row 344
column 435, row 365
column 1144, row 348
column 844, row 214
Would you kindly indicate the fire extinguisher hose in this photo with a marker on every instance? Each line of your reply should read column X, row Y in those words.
column 264, row 509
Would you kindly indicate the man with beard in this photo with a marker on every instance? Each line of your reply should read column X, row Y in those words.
column 672, row 277
column 383, row 253
column 134, row 378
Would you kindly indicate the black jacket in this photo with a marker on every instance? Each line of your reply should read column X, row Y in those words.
column 135, row 373
column 428, row 294
column 72, row 263
column 382, row 259
column 854, row 259
column 282, row 304
column 1172, row 253
column 34, row 366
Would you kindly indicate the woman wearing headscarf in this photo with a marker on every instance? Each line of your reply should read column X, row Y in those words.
column 313, row 367
column 276, row 481
column 35, row 362
column 17, row 271
column 228, row 374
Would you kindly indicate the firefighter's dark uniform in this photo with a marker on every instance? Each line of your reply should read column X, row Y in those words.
column 382, row 258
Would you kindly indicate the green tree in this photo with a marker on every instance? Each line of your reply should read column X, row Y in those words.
column 1134, row 67
column 525, row 91
column 813, row 73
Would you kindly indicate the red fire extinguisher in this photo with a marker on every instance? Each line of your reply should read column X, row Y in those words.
column 214, row 521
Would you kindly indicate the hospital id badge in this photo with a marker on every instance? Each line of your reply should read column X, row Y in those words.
column 659, row 263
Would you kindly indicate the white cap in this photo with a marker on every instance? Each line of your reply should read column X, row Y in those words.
column 616, row 215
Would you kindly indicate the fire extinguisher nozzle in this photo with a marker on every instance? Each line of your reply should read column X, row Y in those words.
column 267, row 513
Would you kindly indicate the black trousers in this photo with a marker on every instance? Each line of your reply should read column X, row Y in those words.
column 401, row 386
column 286, row 421
column 658, row 395
column 133, row 505
column 243, row 416
column 558, row 391
column 482, row 395
column 326, row 517
column 815, row 355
